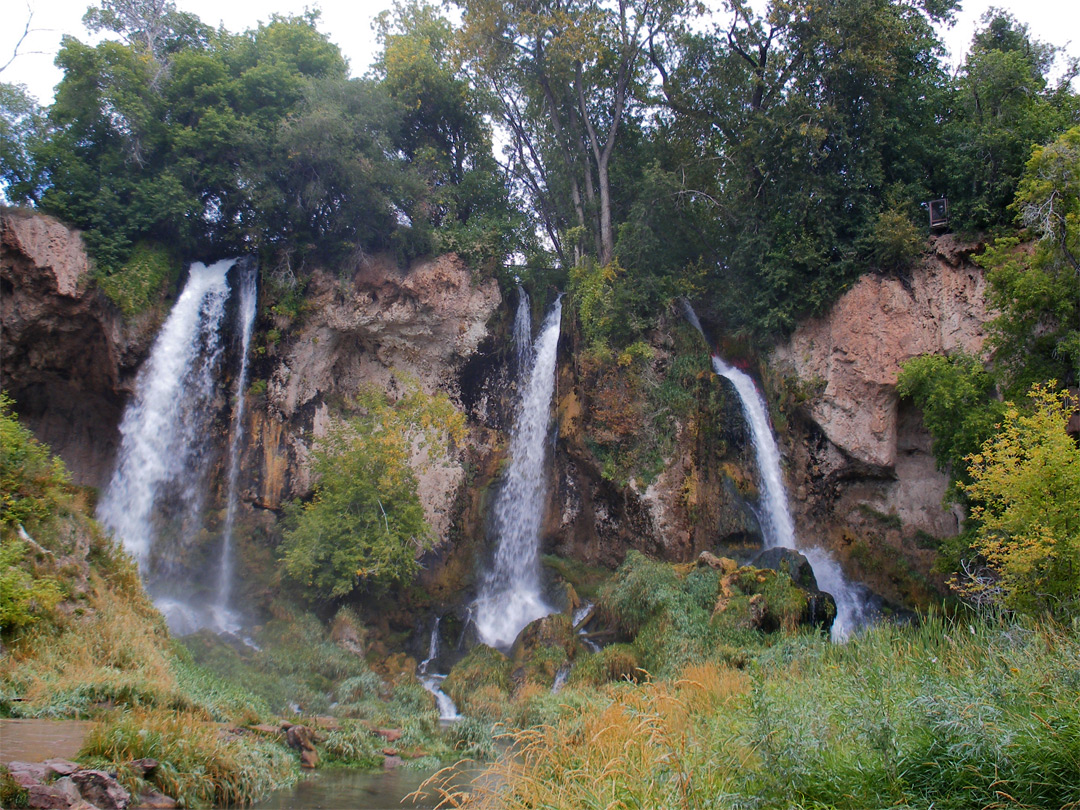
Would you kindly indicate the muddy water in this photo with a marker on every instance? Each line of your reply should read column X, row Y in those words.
column 37, row 740
column 344, row 789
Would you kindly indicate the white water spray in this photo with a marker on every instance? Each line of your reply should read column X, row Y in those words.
column 224, row 618
column 523, row 333
column 510, row 596
column 432, row 682
column 164, row 427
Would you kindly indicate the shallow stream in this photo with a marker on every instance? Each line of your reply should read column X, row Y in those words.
column 346, row 789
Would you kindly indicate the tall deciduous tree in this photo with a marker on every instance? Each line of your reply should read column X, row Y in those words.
column 567, row 74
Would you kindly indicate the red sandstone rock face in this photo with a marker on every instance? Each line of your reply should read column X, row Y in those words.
column 370, row 329
column 860, row 469
column 65, row 353
column 857, row 349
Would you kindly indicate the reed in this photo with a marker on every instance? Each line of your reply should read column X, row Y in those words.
column 952, row 713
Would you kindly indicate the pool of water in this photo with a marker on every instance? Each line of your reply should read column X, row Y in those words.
column 37, row 740
column 344, row 789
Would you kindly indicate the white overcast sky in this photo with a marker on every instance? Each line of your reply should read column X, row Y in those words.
column 348, row 23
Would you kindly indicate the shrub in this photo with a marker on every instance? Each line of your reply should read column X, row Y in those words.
column 1025, row 489
column 141, row 281
column 365, row 525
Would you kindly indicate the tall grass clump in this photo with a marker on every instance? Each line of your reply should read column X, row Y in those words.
column 200, row 764
column 953, row 713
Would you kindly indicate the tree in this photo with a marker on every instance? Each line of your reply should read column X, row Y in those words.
column 1025, row 487
column 22, row 126
column 956, row 397
column 364, row 526
column 1033, row 286
column 444, row 133
column 1002, row 105
column 567, row 74
column 806, row 133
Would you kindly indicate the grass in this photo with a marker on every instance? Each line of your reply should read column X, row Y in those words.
column 953, row 713
column 201, row 763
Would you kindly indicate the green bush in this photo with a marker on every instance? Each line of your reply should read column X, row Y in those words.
column 142, row 280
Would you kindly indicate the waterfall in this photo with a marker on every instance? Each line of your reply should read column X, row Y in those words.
column 153, row 502
column 775, row 516
column 776, row 522
column 510, row 595
column 225, row 619
column 433, row 681
column 163, row 429
column 523, row 333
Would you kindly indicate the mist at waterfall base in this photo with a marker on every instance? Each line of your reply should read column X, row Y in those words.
column 155, row 501
column 777, row 526
column 510, row 593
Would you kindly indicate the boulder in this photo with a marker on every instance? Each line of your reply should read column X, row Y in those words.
column 153, row 800
column 300, row 738
column 102, row 790
column 724, row 565
column 60, row 767
column 389, row 734
column 62, row 793
column 26, row 774
column 391, row 763
column 790, row 562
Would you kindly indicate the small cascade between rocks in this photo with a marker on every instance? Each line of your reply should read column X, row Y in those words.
column 154, row 501
column 510, row 594
column 432, row 681
column 774, row 514
column 225, row 619
column 562, row 675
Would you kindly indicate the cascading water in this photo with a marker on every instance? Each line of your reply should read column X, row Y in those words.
column 159, row 483
column 224, row 618
column 775, row 516
column 523, row 333
column 433, row 681
column 510, row 595
column 777, row 525
column 162, row 429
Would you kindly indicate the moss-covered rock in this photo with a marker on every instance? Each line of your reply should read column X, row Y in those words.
column 483, row 668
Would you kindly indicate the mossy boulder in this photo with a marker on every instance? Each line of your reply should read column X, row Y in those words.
column 542, row 648
column 770, row 600
column 483, row 672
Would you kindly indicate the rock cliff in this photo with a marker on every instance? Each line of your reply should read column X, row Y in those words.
column 377, row 327
column 67, row 357
column 860, row 467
